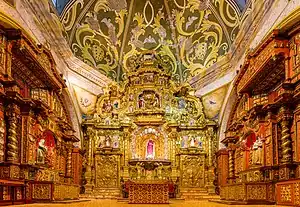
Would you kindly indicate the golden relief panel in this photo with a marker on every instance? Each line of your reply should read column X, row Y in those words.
column 41, row 191
column 192, row 171
column 107, row 171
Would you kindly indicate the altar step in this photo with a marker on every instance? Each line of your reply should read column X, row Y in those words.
column 196, row 194
column 103, row 193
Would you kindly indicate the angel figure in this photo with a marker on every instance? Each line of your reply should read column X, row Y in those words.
column 190, row 21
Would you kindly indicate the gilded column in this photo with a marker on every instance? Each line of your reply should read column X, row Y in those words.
column 69, row 161
column 286, row 143
column 88, row 173
column 12, row 139
column 127, row 153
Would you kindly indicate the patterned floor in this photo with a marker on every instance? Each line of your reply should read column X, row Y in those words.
column 114, row 203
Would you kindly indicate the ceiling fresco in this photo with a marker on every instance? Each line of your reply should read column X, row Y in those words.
column 191, row 35
column 213, row 101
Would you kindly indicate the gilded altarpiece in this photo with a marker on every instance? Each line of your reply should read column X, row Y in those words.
column 148, row 129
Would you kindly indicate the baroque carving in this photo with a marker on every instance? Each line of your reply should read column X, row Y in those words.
column 193, row 168
column 107, row 171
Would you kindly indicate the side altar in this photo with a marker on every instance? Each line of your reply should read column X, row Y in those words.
column 149, row 128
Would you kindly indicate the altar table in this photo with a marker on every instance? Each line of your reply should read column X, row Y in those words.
column 148, row 192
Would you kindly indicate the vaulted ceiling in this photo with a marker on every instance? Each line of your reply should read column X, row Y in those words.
column 190, row 34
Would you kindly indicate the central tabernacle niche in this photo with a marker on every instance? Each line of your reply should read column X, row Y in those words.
column 149, row 143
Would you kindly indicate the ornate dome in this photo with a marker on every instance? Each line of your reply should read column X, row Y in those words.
column 193, row 34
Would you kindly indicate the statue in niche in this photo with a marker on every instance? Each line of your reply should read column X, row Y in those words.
column 116, row 104
column 130, row 109
column 131, row 97
column 257, row 155
column 101, row 142
column 41, row 152
column 107, row 121
column 150, row 99
column 107, row 141
column 184, row 142
column 192, row 143
column 150, row 150
column 192, row 122
column 181, row 103
column 200, row 144
column 141, row 102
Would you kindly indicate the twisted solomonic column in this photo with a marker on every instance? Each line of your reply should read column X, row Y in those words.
column 231, row 163
column 286, row 142
column 12, row 139
column 69, row 161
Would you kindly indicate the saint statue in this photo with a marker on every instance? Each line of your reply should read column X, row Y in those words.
column 41, row 152
column 192, row 143
column 141, row 102
column 107, row 141
column 150, row 149
column 257, row 152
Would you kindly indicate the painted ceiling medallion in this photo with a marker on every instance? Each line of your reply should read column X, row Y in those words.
column 191, row 34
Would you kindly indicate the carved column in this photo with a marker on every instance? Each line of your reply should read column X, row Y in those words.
column 231, row 152
column 231, row 163
column 69, row 160
column 287, row 168
column 88, row 173
column 211, row 160
column 127, row 154
column 286, row 143
column 12, row 149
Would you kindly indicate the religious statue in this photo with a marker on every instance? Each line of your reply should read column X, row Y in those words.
column 139, row 170
column 192, row 143
column 150, row 149
column 41, row 152
column 257, row 152
column 116, row 104
column 107, row 141
column 141, row 102
column 130, row 109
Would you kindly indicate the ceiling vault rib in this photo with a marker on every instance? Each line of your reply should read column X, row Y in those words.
column 124, row 39
column 175, row 41
column 221, row 22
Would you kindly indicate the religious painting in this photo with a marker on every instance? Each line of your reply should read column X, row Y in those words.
column 107, row 106
column 45, row 148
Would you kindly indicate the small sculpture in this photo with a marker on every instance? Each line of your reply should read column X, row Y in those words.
column 150, row 150
column 107, row 141
column 192, row 143
column 41, row 152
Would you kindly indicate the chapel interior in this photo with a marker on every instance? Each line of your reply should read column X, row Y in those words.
column 173, row 102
